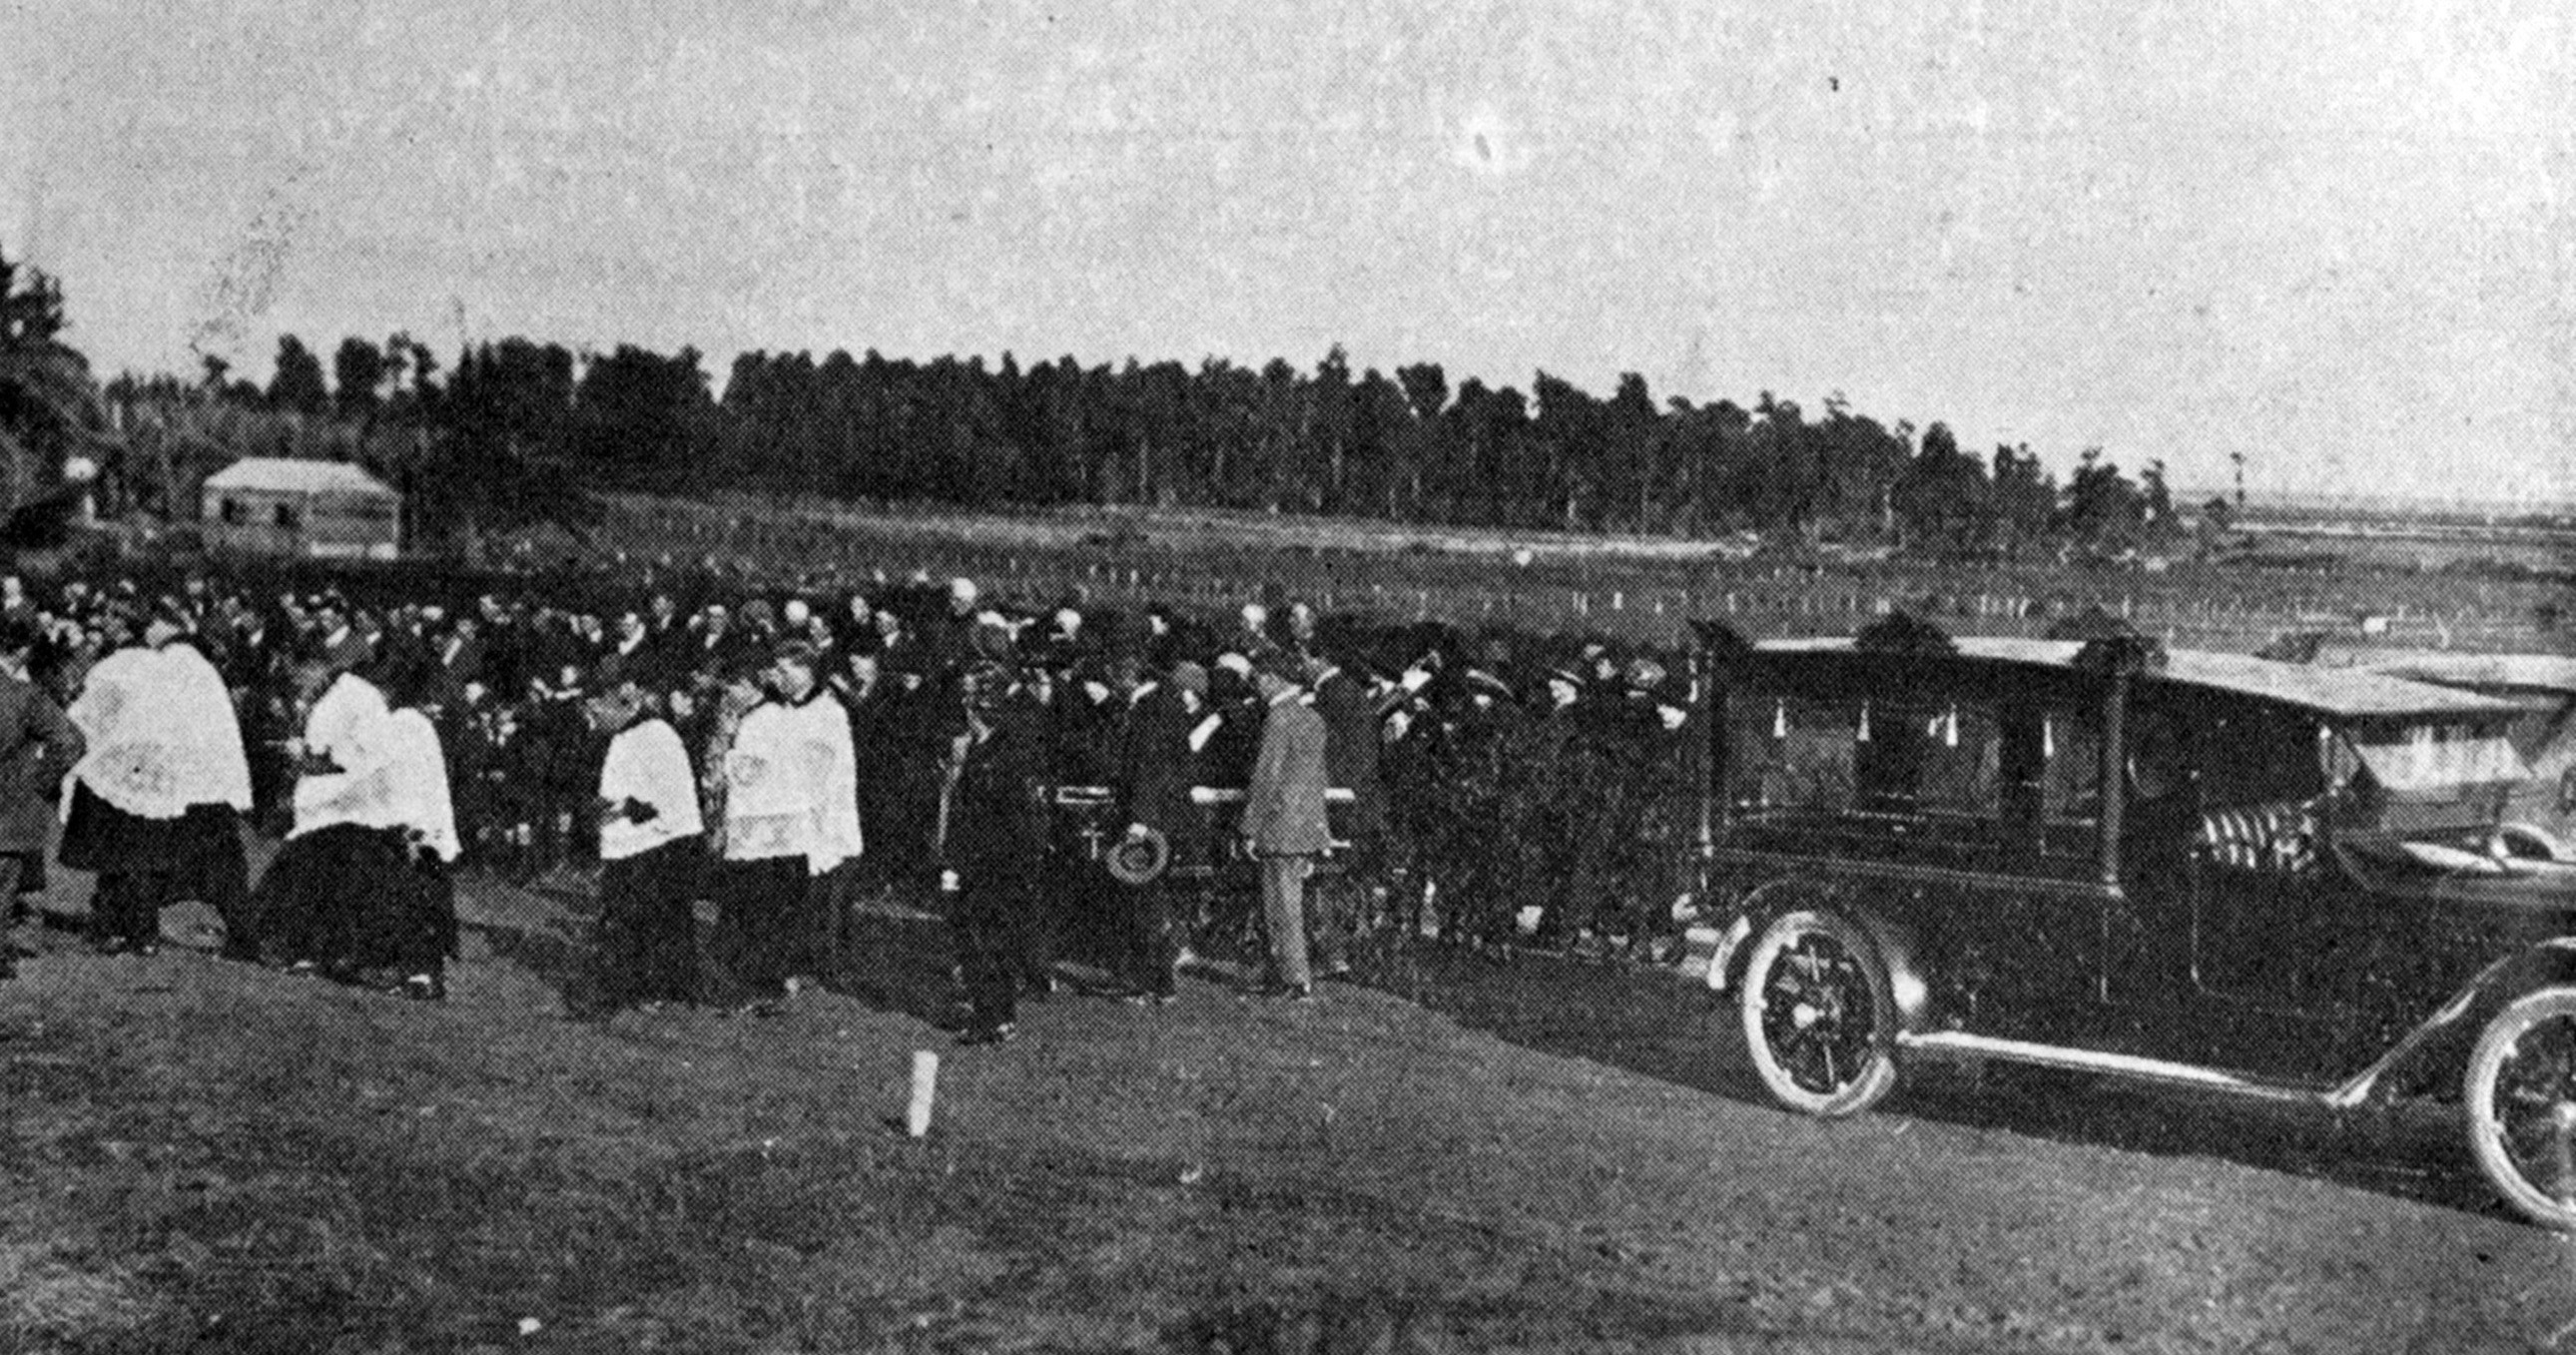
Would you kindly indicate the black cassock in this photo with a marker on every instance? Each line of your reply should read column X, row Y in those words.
column 996, row 843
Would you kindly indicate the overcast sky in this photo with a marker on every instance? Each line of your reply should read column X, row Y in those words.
column 2341, row 244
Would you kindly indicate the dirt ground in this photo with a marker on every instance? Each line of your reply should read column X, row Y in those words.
column 1539, row 1155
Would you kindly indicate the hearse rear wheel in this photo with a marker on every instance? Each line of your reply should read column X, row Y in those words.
column 2519, row 1095
column 1818, row 1018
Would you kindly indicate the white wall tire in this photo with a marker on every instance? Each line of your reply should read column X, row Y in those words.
column 1819, row 1021
column 2518, row 1097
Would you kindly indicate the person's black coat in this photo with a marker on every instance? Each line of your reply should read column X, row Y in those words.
column 872, row 745
column 997, row 814
column 1086, row 735
column 1157, row 769
column 1351, row 735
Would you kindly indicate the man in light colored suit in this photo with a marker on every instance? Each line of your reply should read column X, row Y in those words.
column 1283, row 818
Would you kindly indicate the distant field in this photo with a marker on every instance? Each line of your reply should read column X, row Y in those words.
column 2440, row 588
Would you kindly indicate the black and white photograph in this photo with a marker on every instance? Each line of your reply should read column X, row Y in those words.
column 744, row 677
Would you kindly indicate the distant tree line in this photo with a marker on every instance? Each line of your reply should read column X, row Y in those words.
column 50, row 410
column 517, row 427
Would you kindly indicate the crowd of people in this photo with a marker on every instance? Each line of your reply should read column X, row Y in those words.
column 792, row 754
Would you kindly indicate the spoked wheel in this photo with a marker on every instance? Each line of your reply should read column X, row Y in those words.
column 2520, row 1099
column 1818, row 1019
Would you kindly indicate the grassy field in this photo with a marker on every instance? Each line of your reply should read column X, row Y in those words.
column 206, row 1157
column 2427, row 594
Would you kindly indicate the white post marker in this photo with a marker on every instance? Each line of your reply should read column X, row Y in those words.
column 925, row 1088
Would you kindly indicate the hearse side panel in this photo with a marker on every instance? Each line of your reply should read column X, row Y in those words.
column 1990, row 954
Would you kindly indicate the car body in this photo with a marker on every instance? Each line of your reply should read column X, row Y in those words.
column 2254, row 877
column 2540, row 815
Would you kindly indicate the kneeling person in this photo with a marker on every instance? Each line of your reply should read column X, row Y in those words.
column 319, row 903
column 417, row 929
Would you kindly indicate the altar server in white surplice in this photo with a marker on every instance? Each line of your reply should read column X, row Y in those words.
column 649, row 851
column 157, row 796
column 791, row 816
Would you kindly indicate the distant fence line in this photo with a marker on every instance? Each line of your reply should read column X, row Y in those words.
column 1642, row 599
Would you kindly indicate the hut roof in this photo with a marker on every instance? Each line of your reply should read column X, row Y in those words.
column 284, row 475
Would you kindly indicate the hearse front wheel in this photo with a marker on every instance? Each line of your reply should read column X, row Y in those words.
column 1818, row 1018
column 2520, row 1098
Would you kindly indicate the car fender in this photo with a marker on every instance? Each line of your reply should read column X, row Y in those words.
column 2438, row 1044
column 2529, row 841
column 1893, row 940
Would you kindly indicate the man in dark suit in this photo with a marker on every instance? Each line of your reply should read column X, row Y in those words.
column 865, row 694
column 253, row 653
column 919, row 728
column 1283, row 819
column 715, row 641
column 992, row 838
column 37, row 745
column 337, row 641
column 1157, row 767
column 1352, row 727
column 456, row 660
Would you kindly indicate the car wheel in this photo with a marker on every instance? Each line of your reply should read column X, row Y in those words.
column 1818, row 1019
column 2519, row 1096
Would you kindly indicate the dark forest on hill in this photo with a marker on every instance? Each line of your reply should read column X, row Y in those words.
column 515, row 429
column 1410, row 447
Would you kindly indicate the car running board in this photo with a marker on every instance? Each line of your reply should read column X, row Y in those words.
column 1963, row 1045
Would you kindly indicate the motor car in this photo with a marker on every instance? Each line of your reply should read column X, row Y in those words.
column 2540, row 815
column 2227, row 873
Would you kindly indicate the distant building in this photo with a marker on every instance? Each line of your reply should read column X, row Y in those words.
column 324, row 509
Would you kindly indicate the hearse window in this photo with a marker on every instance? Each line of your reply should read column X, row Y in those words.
column 1927, row 757
column 1914, row 778
column 2071, row 774
column 2050, row 776
column 1793, row 755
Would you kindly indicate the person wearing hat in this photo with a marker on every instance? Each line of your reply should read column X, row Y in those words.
column 648, row 836
column 1640, row 751
column 1283, row 820
column 1550, row 792
column 41, row 745
column 1464, row 839
column 1158, row 763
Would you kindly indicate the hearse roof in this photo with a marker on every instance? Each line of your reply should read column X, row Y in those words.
column 2339, row 692
column 2490, row 673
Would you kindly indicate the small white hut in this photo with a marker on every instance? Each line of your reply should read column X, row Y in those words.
column 282, row 506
